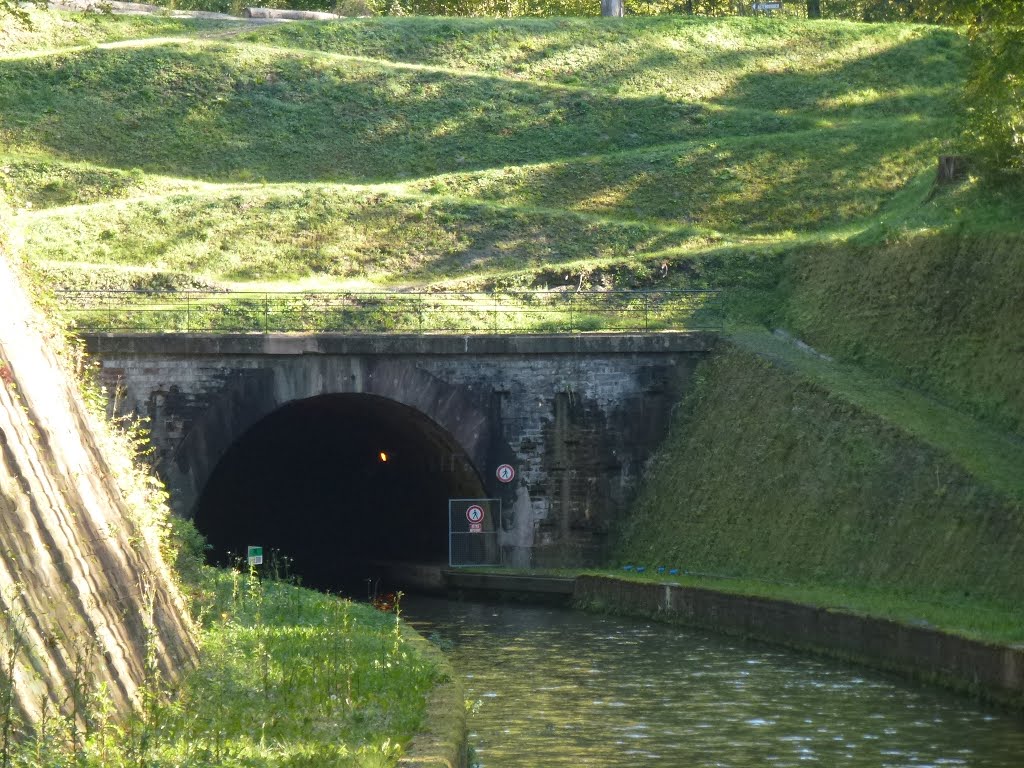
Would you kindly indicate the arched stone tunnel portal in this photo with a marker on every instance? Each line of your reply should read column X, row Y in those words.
column 335, row 481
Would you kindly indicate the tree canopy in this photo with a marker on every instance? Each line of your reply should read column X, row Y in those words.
column 16, row 9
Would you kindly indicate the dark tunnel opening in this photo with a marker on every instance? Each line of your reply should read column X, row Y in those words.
column 334, row 483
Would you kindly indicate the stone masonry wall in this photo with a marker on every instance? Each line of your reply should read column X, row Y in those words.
column 578, row 417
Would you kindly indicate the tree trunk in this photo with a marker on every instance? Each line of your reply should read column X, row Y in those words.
column 611, row 7
column 952, row 168
column 813, row 9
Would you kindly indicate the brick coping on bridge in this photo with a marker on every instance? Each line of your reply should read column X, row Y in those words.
column 216, row 344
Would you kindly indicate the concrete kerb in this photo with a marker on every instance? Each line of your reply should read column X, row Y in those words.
column 442, row 739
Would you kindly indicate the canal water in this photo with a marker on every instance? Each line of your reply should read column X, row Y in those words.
column 561, row 688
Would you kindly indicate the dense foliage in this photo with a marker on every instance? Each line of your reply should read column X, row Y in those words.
column 996, row 95
column 996, row 88
column 17, row 9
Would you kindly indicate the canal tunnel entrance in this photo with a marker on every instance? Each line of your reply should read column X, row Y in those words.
column 333, row 483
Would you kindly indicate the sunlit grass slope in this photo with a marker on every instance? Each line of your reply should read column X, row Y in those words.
column 378, row 86
column 838, row 68
column 790, row 163
column 286, row 232
column 405, row 152
column 505, row 147
column 52, row 31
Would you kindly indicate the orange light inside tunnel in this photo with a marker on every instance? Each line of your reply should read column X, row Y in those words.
column 383, row 457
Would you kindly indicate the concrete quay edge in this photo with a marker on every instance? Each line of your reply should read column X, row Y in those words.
column 991, row 672
column 442, row 740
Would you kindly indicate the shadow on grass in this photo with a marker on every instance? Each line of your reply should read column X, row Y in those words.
column 918, row 77
column 281, row 235
column 808, row 180
column 686, row 57
column 225, row 112
column 222, row 113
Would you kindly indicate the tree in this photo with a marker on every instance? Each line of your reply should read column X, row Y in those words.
column 14, row 8
column 11, row 8
column 976, row 14
column 813, row 9
column 995, row 89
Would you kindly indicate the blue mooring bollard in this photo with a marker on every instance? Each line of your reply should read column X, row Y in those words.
column 627, row 567
column 674, row 572
column 641, row 568
column 661, row 569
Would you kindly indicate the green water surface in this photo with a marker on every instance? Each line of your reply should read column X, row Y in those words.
column 563, row 688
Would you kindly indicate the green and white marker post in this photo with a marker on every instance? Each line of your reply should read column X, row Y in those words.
column 255, row 556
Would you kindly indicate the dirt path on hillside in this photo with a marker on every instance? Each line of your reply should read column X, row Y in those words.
column 265, row 15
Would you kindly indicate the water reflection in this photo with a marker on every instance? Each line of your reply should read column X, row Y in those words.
column 560, row 688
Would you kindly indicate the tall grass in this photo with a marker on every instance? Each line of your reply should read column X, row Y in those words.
column 287, row 677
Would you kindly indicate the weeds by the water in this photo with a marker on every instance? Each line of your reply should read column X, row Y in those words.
column 287, row 677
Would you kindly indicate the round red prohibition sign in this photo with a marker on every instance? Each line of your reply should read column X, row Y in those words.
column 505, row 473
column 475, row 514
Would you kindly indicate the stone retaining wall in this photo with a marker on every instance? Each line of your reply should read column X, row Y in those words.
column 992, row 672
column 577, row 416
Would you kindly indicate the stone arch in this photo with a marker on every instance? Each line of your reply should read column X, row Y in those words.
column 338, row 483
column 437, row 438
column 249, row 395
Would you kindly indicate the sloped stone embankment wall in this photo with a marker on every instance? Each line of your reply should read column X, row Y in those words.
column 83, row 588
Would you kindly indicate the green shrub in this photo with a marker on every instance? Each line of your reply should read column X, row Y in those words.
column 995, row 100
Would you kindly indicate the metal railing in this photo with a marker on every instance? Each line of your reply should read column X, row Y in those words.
column 391, row 312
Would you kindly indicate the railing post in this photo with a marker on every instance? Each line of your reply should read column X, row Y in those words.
column 188, row 311
column 572, row 312
column 266, row 313
column 419, row 311
column 647, row 312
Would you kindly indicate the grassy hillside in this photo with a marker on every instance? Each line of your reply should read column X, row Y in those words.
column 404, row 152
column 471, row 152
column 387, row 101
column 290, row 232
column 936, row 309
column 779, row 475
column 791, row 163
